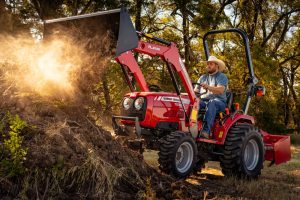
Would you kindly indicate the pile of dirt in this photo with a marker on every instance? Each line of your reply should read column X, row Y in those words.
column 63, row 139
column 70, row 156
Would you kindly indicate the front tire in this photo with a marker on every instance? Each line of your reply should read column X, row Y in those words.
column 243, row 152
column 177, row 154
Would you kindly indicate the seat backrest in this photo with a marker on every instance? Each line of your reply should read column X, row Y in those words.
column 229, row 96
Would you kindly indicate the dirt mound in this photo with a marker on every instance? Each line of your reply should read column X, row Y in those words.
column 70, row 156
column 64, row 137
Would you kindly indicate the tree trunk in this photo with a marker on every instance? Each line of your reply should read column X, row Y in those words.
column 138, row 23
column 185, row 32
column 75, row 8
column 6, row 23
column 257, row 11
column 294, row 95
column 47, row 9
column 2, row 5
column 285, row 96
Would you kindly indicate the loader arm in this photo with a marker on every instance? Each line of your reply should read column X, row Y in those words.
column 170, row 54
column 114, row 28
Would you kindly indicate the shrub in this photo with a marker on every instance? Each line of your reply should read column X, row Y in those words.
column 13, row 154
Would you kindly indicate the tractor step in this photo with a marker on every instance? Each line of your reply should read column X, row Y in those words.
column 212, row 141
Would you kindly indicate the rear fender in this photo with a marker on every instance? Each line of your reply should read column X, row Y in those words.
column 222, row 131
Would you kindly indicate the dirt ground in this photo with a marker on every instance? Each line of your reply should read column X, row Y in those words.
column 276, row 182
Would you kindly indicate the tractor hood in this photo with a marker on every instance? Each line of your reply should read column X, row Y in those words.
column 114, row 26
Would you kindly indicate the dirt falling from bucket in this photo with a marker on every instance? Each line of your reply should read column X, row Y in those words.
column 57, row 68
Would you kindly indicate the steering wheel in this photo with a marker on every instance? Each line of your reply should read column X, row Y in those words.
column 199, row 94
column 154, row 88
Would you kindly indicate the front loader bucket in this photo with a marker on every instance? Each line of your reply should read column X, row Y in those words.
column 113, row 26
column 278, row 147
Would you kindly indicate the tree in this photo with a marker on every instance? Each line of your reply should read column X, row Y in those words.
column 272, row 27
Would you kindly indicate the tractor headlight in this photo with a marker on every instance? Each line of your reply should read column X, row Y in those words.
column 138, row 103
column 127, row 102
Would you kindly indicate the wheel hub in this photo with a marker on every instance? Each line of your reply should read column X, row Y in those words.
column 251, row 154
column 184, row 157
column 179, row 155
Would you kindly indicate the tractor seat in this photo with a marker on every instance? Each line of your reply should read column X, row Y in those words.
column 229, row 101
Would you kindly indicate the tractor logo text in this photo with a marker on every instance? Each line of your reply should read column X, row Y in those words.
column 154, row 48
column 171, row 99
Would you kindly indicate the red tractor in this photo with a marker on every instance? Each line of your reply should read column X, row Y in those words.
column 170, row 122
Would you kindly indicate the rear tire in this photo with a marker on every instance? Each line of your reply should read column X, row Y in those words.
column 243, row 152
column 177, row 154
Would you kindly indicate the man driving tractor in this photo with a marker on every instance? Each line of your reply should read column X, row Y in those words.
column 214, row 100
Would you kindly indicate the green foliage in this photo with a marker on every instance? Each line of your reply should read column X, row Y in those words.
column 14, row 153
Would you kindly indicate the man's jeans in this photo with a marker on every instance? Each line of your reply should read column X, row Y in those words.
column 214, row 106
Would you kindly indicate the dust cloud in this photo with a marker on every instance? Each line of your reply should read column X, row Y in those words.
column 56, row 68
column 34, row 66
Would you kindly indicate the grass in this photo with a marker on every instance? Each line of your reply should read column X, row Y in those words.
column 151, row 157
column 276, row 182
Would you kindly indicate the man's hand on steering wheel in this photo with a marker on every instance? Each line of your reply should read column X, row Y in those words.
column 204, row 85
column 197, row 90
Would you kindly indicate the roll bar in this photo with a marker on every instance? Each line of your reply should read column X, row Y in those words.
column 252, row 79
